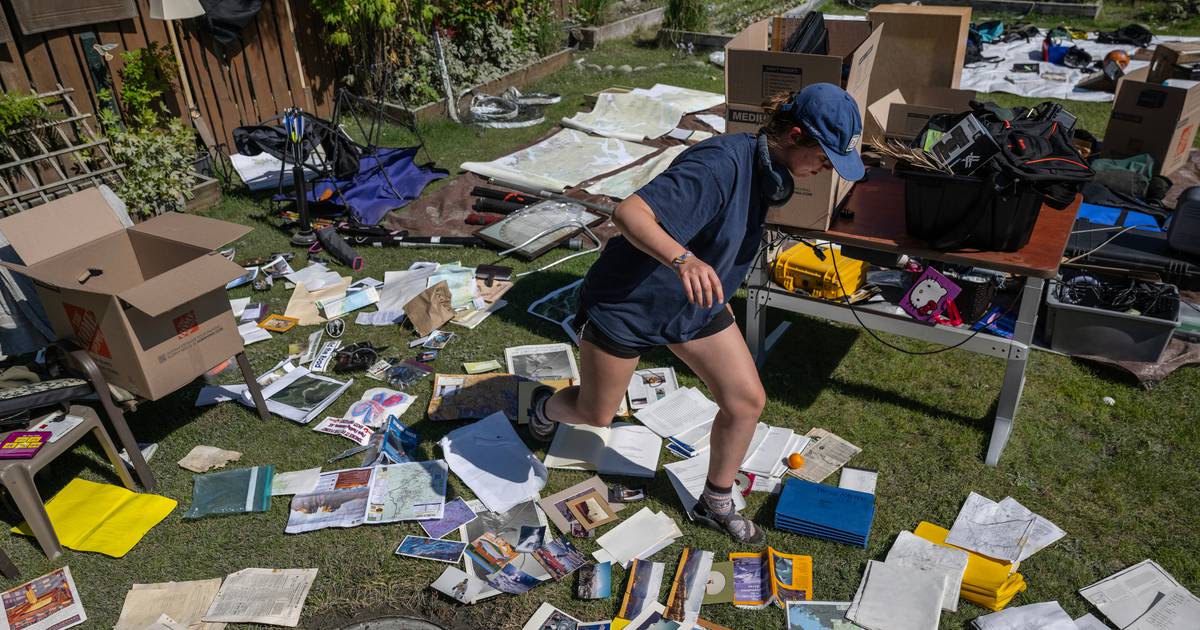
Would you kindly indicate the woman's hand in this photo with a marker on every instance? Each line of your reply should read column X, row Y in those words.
column 700, row 282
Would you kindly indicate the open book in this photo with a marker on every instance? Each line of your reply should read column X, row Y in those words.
column 622, row 449
column 770, row 576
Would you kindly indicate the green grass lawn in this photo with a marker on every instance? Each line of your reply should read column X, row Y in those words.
column 1122, row 480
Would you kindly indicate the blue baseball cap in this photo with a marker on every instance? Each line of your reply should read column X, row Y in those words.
column 830, row 116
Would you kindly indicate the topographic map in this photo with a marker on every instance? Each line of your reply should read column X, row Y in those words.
column 408, row 492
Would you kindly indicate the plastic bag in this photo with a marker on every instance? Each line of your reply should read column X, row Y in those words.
column 232, row 492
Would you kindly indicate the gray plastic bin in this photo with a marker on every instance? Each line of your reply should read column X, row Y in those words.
column 1085, row 330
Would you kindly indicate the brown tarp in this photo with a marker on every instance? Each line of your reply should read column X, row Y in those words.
column 37, row 16
column 442, row 213
column 1178, row 354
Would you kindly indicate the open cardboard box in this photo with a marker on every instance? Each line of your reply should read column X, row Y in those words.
column 147, row 302
column 1160, row 119
column 756, row 70
column 898, row 119
column 1167, row 56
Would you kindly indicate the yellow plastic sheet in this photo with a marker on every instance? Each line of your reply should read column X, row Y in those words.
column 102, row 518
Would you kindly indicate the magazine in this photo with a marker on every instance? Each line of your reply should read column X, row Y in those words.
column 381, row 494
column 542, row 362
column 47, row 602
column 770, row 576
column 299, row 395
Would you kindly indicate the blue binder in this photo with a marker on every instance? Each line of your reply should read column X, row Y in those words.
column 825, row 512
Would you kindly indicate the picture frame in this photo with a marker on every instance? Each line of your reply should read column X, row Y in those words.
column 278, row 323
column 592, row 510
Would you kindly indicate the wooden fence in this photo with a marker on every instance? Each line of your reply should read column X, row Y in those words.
column 281, row 61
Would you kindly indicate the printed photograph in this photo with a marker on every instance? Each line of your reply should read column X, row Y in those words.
column 819, row 616
column 591, row 510
column 750, row 583
column 511, row 580
column 621, row 494
column 541, row 363
column 595, row 581
column 491, row 552
column 559, row 620
column 645, row 581
column 783, row 570
column 306, row 392
column 530, row 538
column 507, row 526
column 438, row 340
column 40, row 600
column 456, row 514
column 431, row 549
column 559, row 557
column 690, row 585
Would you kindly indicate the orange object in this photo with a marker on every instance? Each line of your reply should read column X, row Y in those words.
column 1119, row 56
column 795, row 460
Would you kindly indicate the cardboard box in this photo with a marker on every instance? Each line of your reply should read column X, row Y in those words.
column 753, row 67
column 147, row 302
column 897, row 119
column 1166, row 56
column 1160, row 120
column 923, row 46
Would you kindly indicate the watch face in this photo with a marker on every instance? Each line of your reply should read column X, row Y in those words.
column 335, row 328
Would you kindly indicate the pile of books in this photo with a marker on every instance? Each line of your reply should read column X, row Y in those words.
column 825, row 512
column 986, row 582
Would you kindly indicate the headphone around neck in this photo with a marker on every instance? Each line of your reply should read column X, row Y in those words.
column 775, row 180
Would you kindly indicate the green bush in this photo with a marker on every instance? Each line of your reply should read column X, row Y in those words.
column 593, row 12
column 18, row 111
column 158, row 167
column 147, row 77
column 685, row 15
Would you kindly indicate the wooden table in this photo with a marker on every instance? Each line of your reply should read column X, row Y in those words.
column 877, row 223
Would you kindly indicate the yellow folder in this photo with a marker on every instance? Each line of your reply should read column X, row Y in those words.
column 102, row 518
column 987, row 582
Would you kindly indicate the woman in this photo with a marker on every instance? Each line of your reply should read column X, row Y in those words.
column 687, row 241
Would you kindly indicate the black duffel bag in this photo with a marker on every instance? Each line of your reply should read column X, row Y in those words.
column 997, row 206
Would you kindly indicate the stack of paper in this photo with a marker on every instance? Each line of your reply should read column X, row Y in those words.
column 1005, row 531
column 986, row 582
column 825, row 512
column 769, row 449
column 896, row 597
column 1144, row 597
column 639, row 536
column 622, row 449
column 688, row 477
column 1043, row 616
column 680, row 412
column 913, row 551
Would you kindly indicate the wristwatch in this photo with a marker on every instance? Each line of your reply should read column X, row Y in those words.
column 680, row 259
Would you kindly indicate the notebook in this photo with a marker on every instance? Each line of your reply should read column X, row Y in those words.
column 622, row 449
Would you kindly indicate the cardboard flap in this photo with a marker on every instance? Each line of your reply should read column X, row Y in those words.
column 193, row 230
column 862, row 63
column 49, row 275
column 880, row 109
column 181, row 284
column 60, row 226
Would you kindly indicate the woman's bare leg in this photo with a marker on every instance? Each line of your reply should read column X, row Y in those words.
column 604, row 379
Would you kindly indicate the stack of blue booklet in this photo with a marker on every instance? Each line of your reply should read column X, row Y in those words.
column 827, row 512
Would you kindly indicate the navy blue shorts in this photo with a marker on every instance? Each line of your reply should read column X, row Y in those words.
column 722, row 320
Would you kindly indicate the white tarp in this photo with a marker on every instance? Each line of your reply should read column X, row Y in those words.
column 628, row 116
column 565, row 159
column 689, row 100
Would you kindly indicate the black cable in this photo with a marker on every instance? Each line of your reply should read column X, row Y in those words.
column 854, row 312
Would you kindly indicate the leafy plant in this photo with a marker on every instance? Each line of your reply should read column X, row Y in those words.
column 593, row 12
column 158, row 167
column 146, row 78
column 685, row 15
column 547, row 32
column 19, row 111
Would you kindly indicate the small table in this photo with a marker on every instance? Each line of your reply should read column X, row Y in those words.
column 877, row 204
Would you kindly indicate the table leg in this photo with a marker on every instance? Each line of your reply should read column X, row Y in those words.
column 252, row 386
column 1014, row 370
column 756, row 321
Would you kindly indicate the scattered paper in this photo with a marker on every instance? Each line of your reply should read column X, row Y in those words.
column 769, row 447
column 544, row 362
column 205, row 458
column 896, row 597
column 494, row 463
column 358, row 433
column 324, row 356
column 1043, row 616
column 401, row 286
column 295, row 482
column 549, row 617
column 50, row 602
column 824, row 455
column 350, row 302
column 912, row 551
column 1090, row 622
column 1130, row 593
column 456, row 584
column 678, row 412
column 1005, row 530
column 311, row 347
column 688, row 476
column 481, row 367
column 380, row 318
column 471, row 318
column 638, row 536
column 237, row 305
column 647, row 387
column 303, row 303
column 273, row 597
column 57, row 425
column 185, row 603
column 456, row 514
column 859, row 479
column 688, row 588
column 619, row 449
column 378, row 404
column 251, row 333
column 314, row 277
column 1178, row 609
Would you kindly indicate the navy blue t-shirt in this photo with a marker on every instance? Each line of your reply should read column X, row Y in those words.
column 709, row 201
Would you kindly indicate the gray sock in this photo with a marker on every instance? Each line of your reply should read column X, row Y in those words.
column 719, row 502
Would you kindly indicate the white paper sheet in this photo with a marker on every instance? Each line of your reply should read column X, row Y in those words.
column 896, row 597
column 1043, row 616
column 680, row 411
column 401, row 286
column 237, row 305
column 251, row 333
column 295, row 482
column 859, row 479
column 1090, row 622
column 268, row 596
column 1177, row 610
column 628, row 116
column 1005, row 530
column 913, row 551
column 825, row 454
column 686, row 99
column 769, row 451
column 314, row 277
column 1129, row 593
column 688, row 476
column 184, row 602
column 494, row 463
column 714, row 121
column 638, row 536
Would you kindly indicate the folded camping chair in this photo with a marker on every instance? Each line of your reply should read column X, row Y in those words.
column 78, row 379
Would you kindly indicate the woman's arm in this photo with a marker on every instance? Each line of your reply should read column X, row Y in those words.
column 636, row 221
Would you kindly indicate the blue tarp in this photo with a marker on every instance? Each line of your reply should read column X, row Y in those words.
column 1120, row 217
column 386, row 180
